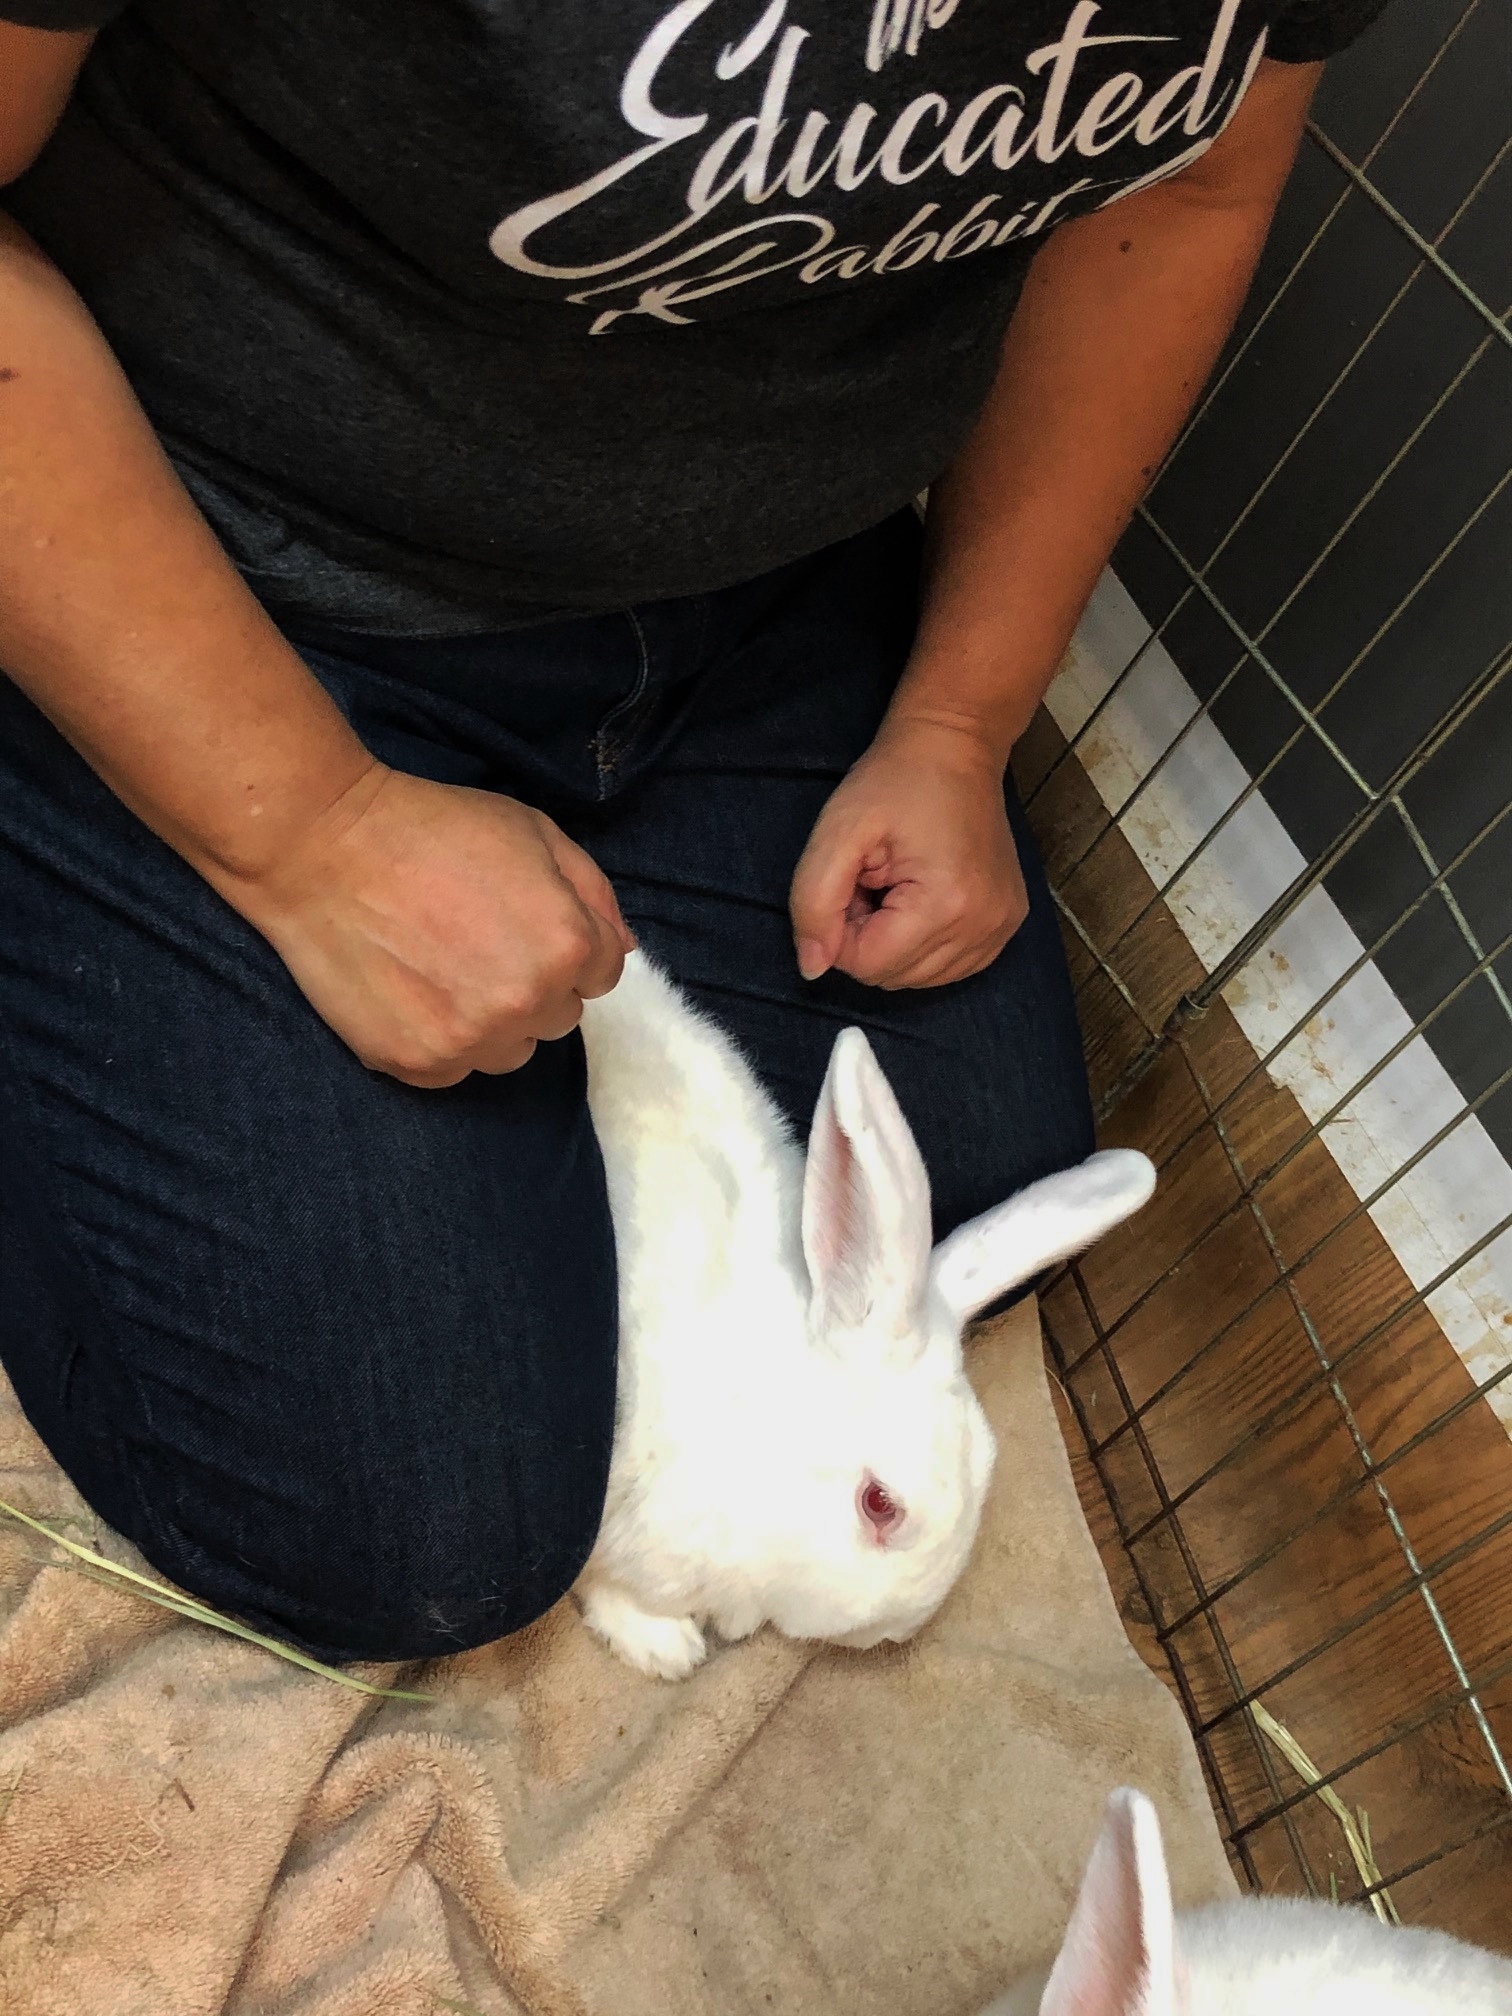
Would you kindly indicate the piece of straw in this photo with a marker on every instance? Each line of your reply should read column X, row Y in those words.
column 197, row 1612
column 1356, row 1826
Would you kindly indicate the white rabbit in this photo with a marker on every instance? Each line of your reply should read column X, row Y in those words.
column 1127, row 1953
column 796, row 1442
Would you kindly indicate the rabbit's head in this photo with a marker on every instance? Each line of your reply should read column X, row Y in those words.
column 885, row 1472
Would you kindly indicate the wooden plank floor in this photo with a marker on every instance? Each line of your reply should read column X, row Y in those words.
column 1289, row 1474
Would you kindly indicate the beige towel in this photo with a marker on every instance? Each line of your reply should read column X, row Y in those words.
column 188, row 1824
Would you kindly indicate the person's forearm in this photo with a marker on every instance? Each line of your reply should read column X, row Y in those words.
column 1122, row 318
column 125, row 621
column 437, row 930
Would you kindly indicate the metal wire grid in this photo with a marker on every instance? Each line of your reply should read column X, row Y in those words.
column 1373, row 803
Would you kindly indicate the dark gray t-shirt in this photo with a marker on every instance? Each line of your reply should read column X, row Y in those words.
column 456, row 312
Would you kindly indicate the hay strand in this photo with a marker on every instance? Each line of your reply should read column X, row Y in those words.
column 101, row 1568
column 1355, row 1826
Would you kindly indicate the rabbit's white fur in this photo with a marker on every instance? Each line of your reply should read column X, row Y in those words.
column 787, row 1339
column 1127, row 1953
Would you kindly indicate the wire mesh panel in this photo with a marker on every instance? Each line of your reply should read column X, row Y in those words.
column 1274, row 789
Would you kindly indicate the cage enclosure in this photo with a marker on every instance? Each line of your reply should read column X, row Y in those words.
column 1273, row 785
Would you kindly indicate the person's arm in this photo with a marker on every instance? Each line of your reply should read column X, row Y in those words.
column 911, row 878
column 437, row 930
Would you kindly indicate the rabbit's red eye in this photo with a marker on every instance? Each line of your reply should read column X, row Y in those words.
column 878, row 1507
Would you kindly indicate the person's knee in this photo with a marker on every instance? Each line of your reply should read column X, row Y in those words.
column 392, row 1532
column 356, row 1569
column 472, row 1565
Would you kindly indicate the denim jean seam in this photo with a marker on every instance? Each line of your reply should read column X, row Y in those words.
column 609, row 744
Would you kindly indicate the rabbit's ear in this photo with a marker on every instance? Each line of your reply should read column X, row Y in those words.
column 1119, row 1956
column 865, row 1200
column 1051, row 1220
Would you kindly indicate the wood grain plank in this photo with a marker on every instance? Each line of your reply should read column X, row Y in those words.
column 1237, row 1321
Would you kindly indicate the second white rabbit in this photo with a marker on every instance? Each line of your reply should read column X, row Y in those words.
column 1128, row 1953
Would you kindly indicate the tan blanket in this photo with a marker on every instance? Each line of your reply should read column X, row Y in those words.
column 187, row 1824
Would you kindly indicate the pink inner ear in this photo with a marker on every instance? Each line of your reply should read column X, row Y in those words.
column 832, row 1218
column 883, row 1513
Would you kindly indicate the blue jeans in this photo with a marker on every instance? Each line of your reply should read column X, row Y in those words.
column 336, row 1353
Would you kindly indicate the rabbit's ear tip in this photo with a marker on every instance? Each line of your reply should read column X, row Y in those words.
column 853, row 1043
column 1130, row 1172
column 1135, row 1818
column 853, row 1060
column 1127, row 1800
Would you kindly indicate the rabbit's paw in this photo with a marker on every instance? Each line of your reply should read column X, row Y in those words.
column 667, row 1647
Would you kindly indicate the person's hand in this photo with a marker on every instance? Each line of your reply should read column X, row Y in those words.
column 440, row 930
column 910, row 877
